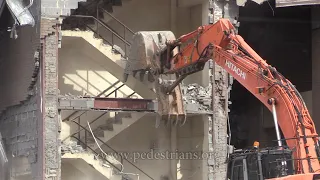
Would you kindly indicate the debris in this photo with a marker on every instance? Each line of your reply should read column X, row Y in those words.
column 118, row 50
column 72, row 147
column 71, row 96
column 197, row 98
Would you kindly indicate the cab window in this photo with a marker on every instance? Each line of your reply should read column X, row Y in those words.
column 238, row 169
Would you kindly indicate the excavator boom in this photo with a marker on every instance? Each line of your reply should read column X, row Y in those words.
column 220, row 43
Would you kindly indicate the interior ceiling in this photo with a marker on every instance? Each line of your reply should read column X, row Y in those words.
column 282, row 36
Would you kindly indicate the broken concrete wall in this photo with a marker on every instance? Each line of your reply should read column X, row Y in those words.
column 197, row 98
column 20, row 98
column 27, row 135
column 22, row 124
column 55, row 8
column 19, row 127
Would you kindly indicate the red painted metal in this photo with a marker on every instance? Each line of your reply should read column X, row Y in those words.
column 124, row 104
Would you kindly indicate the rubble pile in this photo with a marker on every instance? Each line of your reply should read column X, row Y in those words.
column 71, row 96
column 197, row 98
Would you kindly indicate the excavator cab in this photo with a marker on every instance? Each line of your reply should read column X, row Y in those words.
column 255, row 164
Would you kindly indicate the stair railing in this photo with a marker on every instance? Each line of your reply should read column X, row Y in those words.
column 78, row 133
column 110, row 87
column 97, row 154
column 84, row 144
column 115, row 91
column 125, row 28
column 100, row 23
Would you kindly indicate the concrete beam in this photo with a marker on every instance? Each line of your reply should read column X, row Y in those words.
column 218, row 136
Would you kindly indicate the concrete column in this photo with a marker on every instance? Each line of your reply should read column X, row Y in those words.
column 199, row 16
column 173, row 17
column 220, row 83
column 173, row 148
column 207, row 142
column 316, row 66
column 49, row 75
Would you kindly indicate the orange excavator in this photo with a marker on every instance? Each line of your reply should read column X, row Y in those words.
column 158, row 53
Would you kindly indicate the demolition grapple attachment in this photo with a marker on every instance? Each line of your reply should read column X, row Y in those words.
column 148, row 53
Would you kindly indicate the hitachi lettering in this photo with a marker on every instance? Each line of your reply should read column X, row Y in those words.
column 235, row 69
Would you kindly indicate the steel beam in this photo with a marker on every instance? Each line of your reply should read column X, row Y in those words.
column 124, row 104
column 110, row 104
column 117, row 104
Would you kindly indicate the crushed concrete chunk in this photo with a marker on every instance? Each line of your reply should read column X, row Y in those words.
column 197, row 98
column 243, row 2
column 72, row 147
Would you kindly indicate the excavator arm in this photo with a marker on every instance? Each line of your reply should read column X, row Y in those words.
column 220, row 43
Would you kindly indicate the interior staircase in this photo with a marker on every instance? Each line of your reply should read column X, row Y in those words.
column 112, row 127
column 86, row 22
column 88, row 161
column 114, row 54
column 116, row 10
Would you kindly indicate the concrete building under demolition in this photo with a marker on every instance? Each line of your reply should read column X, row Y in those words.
column 62, row 66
